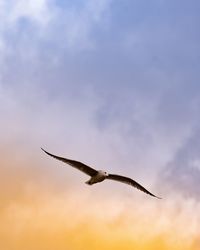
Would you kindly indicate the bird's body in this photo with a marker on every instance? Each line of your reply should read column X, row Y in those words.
column 100, row 175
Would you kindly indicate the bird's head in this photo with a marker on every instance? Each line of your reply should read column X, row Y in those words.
column 106, row 174
column 103, row 173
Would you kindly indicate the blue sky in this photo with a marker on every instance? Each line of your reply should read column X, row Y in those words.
column 114, row 84
column 131, row 67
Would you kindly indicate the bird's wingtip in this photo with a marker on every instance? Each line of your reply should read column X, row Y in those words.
column 43, row 150
column 158, row 197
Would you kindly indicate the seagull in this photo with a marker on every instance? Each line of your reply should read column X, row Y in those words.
column 99, row 175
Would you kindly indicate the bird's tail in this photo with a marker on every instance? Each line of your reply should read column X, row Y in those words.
column 88, row 182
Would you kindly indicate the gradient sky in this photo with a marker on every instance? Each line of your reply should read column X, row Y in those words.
column 115, row 84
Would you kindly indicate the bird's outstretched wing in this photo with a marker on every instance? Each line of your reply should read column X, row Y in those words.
column 129, row 181
column 76, row 164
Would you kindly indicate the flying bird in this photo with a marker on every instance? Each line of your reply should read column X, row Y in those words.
column 99, row 175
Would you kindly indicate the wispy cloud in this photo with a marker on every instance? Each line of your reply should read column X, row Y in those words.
column 69, row 28
column 115, row 85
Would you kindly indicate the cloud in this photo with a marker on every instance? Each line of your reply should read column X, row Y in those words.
column 79, row 24
column 41, row 199
column 47, row 21
column 96, row 83
column 37, row 11
column 42, row 218
column 137, row 108
column 182, row 174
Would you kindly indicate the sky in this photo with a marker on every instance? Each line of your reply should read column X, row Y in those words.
column 114, row 84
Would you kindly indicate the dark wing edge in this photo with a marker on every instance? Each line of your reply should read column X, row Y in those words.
column 131, row 182
column 76, row 164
